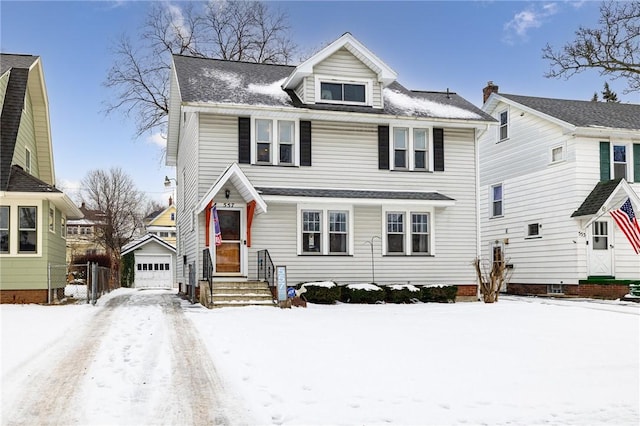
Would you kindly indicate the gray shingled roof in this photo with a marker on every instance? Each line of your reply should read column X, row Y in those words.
column 596, row 198
column 245, row 83
column 21, row 181
column 9, row 60
column 347, row 193
column 11, row 113
column 584, row 113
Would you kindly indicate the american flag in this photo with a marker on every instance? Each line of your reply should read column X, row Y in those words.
column 628, row 224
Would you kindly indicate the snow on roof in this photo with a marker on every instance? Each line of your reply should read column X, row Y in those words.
column 272, row 89
column 413, row 105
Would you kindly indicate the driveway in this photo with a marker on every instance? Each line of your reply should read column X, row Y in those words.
column 138, row 352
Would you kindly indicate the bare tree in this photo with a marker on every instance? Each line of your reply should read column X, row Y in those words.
column 114, row 194
column 613, row 48
column 232, row 30
column 492, row 276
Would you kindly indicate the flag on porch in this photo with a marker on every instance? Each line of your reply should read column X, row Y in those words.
column 216, row 226
column 627, row 221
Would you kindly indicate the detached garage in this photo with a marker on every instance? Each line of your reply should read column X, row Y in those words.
column 154, row 262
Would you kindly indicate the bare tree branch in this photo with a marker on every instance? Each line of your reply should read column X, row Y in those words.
column 232, row 30
column 613, row 48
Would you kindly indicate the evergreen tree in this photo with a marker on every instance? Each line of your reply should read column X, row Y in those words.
column 595, row 97
column 608, row 95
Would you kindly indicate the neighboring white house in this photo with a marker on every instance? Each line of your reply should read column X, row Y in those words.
column 549, row 175
column 332, row 166
column 154, row 262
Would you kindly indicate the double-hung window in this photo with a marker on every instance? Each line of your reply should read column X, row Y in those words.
column 52, row 218
column 311, row 231
column 408, row 232
column 504, row 125
column 275, row 142
column 27, row 161
column 496, row 200
column 619, row 161
column 410, row 148
column 28, row 229
column 325, row 231
column 4, row 229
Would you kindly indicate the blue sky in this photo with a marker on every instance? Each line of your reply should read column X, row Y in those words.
column 455, row 45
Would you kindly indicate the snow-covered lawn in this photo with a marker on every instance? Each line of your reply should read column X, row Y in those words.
column 519, row 361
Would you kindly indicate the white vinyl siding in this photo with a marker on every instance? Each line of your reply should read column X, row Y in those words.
column 340, row 148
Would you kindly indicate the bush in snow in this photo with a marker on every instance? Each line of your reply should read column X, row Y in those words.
column 325, row 292
column 445, row 294
column 362, row 293
column 402, row 293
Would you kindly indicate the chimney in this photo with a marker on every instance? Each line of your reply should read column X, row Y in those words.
column 170, row 201
column 487, row 91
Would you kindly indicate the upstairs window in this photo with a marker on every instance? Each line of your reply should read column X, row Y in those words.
column 504, row 125
column 52, row 218
column 4, row 229
column 410, row 148
column 275, row 142
column 496, row 200
column 557, row 154
column 27, row 161
column 619, row 161
column 343, row 92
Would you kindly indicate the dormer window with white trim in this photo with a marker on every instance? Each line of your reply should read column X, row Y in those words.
column 345, row 92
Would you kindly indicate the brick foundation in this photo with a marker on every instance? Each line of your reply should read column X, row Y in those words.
column 599, row 291
column 596, row 291
column 467, row 290
column 29, row 296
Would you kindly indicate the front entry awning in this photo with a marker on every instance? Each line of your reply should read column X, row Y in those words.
column 604, row 197
column 234, row 174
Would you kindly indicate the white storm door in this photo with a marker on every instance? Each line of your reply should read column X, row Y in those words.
column 600, row 249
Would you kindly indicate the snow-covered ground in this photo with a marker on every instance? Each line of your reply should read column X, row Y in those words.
column 520, row 361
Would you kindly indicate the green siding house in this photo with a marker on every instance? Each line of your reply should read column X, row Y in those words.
column 33, row 212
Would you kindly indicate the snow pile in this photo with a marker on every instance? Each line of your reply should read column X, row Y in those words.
column 365, row 286
column 273, row 89
column 409, row 287
column 327, row 284
column 433, row 109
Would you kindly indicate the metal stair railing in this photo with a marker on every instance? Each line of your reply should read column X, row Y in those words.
column 266, row 270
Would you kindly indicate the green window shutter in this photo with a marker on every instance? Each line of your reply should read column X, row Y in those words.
column 605, row 162
column 636, row 162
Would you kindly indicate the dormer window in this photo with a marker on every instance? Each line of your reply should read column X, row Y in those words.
column 342, row 92
column 349, row 92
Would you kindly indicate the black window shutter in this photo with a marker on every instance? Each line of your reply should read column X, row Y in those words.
column 438, row 150
column 636, row 162
column 383, row 147
column 244, row 140
column 305, row 143
column 605, row 162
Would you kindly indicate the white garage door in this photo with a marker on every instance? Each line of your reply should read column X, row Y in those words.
column 153, row 271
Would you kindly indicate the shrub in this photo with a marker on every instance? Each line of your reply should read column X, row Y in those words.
column 362, row 293
column 326, row 293
column 402, row 293
column 444, row 294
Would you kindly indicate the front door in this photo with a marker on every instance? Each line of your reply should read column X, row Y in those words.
column 229, row 254
column 600, row 249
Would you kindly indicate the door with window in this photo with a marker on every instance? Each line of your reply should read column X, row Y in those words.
column 229, row 255
column 600, row 249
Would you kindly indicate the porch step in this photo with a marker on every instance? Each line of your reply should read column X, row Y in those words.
column 241, row 293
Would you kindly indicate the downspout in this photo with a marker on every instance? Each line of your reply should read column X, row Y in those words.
column 476, row 147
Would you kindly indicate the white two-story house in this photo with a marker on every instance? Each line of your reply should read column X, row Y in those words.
column 332, row 167
column 550, row 174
